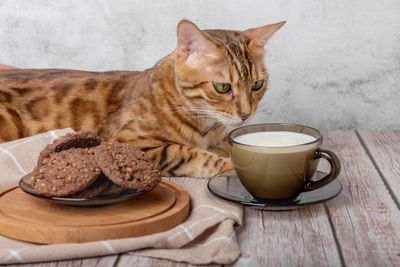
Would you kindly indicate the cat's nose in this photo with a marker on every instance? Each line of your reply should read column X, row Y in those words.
column 243, row 115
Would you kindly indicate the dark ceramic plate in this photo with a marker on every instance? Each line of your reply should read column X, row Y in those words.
column 227, row 185
column 26, row 186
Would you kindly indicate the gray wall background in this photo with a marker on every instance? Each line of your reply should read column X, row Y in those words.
column 334, row 65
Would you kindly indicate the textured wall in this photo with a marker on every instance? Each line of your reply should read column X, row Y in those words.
column 334, row 65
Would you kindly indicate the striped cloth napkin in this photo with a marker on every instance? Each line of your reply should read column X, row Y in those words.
column 207, row 236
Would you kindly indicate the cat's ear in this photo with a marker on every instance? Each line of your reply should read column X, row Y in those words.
column 259, row 36
column 192, row 42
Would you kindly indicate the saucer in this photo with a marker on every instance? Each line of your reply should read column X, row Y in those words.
column 26, row 186
column 227, row 186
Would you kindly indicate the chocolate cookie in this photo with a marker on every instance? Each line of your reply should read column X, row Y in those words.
column 65, row 173
column 95, row 189
column 127, row 166
column 80, row 139
column 113, row 190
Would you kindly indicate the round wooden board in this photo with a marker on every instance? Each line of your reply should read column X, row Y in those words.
column 29, row 218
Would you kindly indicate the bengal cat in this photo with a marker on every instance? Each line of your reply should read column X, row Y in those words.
column 178, row 112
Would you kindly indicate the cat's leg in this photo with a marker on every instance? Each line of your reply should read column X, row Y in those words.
column 182, row 160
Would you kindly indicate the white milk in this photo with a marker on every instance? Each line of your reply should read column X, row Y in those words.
column 274, row 139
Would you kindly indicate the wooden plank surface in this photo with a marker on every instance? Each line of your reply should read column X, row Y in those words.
column 365, row 217
column 384, row 148
column 300, row 237
column 266, row 237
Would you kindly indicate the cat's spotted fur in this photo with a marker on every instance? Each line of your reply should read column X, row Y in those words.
column 171, row 111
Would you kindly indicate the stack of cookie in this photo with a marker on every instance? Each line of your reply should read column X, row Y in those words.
column 81, row 165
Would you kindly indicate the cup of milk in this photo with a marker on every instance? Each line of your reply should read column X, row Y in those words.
column 278, row 160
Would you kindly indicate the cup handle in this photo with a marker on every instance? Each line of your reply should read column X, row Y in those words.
column 335, row 169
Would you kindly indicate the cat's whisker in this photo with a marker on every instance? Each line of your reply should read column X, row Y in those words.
column 197, row 109
column 200, row 116
column 200, row 111
column 181, row 108
column 203, row 116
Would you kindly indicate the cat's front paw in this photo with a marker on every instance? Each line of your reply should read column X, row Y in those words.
column 225, row 165
column 228, row 166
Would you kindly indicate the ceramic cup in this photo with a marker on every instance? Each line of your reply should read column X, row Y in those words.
column 276, row 160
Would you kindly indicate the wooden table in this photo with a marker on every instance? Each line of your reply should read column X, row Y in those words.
column 361, row 227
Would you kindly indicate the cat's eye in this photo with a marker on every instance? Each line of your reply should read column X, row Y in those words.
column 222, row 88
column 257, row 85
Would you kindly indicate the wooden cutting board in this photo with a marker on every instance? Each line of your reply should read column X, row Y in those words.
column 29, row 218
